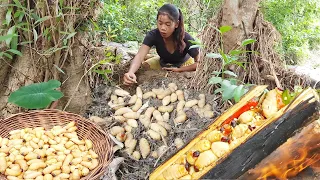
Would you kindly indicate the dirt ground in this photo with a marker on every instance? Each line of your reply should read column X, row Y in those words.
column 132, row 169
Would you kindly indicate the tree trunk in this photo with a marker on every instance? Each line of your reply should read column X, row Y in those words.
column 240, row 14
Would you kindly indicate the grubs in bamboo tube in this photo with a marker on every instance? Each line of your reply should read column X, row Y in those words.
column 205, row 158
column 220, row 148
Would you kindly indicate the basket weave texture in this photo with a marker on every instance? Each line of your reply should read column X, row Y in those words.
column 51, row 117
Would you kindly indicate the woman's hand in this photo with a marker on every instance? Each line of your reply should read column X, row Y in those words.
column 173, row 69
column 129, row 78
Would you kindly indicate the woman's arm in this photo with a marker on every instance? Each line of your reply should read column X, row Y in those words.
column 138, row 59
column 129, row 77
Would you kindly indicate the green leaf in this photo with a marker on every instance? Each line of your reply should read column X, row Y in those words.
column 213, row 55
column 195, row 42
column 230, row 73
column 15, row 52
column 8, row 16
column 228, row 92
column 36, row 96
column 215, row 80
column 225, row 84
column 239, row 64
column 35, row 16
column 59, row 69
column 18, row 4
column 235, row 52
column 17, row 14
column 61, row 3
column 108, row 71
column 238, row 92
column 224, row 29
column 71, row 35
column 11, row 31
column 233, row 81
column 35, row 35
column 8, row 36
column 247, row 41
column 219, row 90
column 14, row 42
column 195, row 46
column 42, row 19
column 215, row 28
column 7, row 55
column 216, row 73
column 99, row 71
column 25, row 42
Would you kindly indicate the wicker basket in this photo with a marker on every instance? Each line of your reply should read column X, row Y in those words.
column 49, row 118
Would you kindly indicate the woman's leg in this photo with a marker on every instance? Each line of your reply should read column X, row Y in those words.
column 152, row 63
column 189, row 62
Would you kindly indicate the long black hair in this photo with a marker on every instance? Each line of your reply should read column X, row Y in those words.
column 175, row 15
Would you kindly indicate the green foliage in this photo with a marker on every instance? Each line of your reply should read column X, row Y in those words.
column 229, row 87
column 298, row 21
column 36, row 96
column 196, row 16
column 24, row 26
column 131, row 20
column 288, row 96
column 102, row 67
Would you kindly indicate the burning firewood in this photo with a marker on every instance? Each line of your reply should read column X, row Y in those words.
column 299, row 152
column 241, row 137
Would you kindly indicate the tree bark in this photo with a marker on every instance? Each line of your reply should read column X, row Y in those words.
column 240, row 14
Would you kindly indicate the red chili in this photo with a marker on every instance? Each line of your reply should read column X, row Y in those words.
column 252, row 103
column 227, row 129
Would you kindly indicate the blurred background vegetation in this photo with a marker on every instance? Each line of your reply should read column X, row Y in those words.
column 298, row 21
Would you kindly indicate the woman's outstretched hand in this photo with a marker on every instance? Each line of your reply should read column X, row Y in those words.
column 129, row 78
column 173, row 69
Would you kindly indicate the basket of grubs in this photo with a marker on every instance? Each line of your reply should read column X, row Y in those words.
column 154, row 120
column 52, row 144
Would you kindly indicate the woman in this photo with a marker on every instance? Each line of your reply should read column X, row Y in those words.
column 172, row 45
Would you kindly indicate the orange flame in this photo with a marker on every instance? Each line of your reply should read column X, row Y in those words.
column 298, row 153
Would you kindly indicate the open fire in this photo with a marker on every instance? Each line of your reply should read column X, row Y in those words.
column 298, row 153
